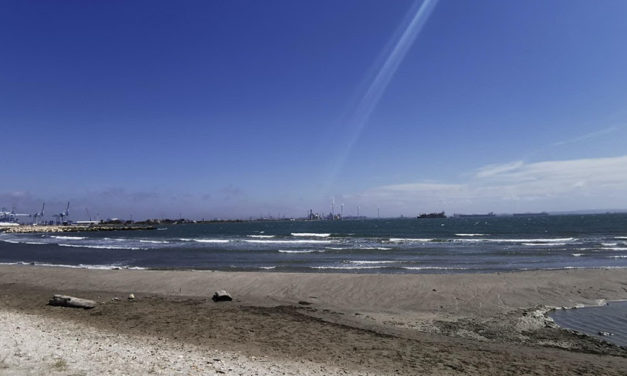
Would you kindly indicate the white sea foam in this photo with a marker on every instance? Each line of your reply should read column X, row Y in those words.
column 609, row 244
column 11, row 241
column 100, row 246
column 469, row 234
column 338, row 248
column 267, row 267
column 619, row 256
column 300, row 250
column 221, row 241
column 620, row 237
column 373, row 248
column 68, row 237
column 35, row 243
column 556, row 244
column 615, row 248
column 155, row 241
column 577, row 254
column 79, row 266
column 410, row 240
column 548, row 240
column 348, row 267
column 261, row 236
column 311, row 234
column 365, row 262
column 303, row 241
column 433, row 268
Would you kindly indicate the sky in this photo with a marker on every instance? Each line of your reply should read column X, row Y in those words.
column 237, row 109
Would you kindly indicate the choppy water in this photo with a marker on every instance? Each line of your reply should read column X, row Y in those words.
column 608, row 322
column 449, row 245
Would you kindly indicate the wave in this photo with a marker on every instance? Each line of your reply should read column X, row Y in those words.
column 311, row 234
column 469, row 234
column 267, row 267
column 155, row 241
column 11, row 241
column 100, row 246
column 348, row 267
column 366, row 262
column 303, row 241
column 260, row 236
column 615, row 248
column 434, row 268
column 556, row 244
column 116, row 239
column 301, row 250
column 204, row 240
column 619, row 256
column 35, row 243
column 403, row 240
column 547, row 240
column 377, row 248
column 79, row 266
column 68, row 237
column 609, row 244
column 620, row 237
column 577, row 254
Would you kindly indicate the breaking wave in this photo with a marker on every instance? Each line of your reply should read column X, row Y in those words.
column 311, row 234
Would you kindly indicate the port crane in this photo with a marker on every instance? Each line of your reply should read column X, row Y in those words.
column 10, row 216
column 63, row 214
column 39, row 214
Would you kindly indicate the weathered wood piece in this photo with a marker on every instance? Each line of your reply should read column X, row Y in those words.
column 71, row 301
column 221, row 296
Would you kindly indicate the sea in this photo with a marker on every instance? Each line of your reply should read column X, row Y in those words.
column 401, row 245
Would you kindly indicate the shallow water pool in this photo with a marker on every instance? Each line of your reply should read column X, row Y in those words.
column 608, row 322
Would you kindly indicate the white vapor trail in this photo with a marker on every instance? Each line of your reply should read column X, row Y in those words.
column 382, row 79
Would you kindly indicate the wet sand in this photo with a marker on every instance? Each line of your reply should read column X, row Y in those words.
column 289, row 323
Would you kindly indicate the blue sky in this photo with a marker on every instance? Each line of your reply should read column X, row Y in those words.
column 248, row 108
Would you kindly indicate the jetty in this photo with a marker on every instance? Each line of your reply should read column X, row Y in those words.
column 75, row 228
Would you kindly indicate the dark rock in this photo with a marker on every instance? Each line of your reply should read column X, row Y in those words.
column 221, row 296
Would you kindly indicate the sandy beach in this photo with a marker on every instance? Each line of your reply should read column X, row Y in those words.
column 311, row 324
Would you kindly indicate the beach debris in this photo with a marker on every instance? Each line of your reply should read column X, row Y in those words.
column 115, row 299
column 71, row 301
column 221, row 296
column 131, row 296
column 605, row 334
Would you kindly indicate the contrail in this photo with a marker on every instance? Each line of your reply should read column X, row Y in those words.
column 381, row 80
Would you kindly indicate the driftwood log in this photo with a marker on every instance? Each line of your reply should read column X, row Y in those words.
column 71, row 301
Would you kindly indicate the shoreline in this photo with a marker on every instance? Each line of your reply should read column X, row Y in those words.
column 355, row 323
column 494, row 292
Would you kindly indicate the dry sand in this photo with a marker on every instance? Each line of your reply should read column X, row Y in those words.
column 288, row 323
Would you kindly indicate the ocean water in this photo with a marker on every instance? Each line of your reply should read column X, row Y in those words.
column 447, row 245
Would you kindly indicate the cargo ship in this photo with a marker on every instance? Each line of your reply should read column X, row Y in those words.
column 432, row 215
